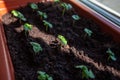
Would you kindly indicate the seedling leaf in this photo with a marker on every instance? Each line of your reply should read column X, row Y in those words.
column 75, row 17
column 36, row 47
column 85, row 72
column 42, row 14
column 34, row 6
column 14, row 13
column 62, row 39
column 88, row 31
column 113, row 58
column 56, row 0
column 47, row 24
column 27, row 26
column 18, row 15
column 111, row 55
column 91, row 75
column 66, row 7
column 43, row 76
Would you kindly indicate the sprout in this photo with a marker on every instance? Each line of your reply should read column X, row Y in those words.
column 18, row 15
column 43, row 76
column 36, row 47
column 42, row 14
column 56, row 0
column 34, row 6
column 47, row 24
column 27, row 27
column 62, row 39
column 111, row 55
column 88, row 31
column 75, row 17
column 66, row 7
column 85, row 72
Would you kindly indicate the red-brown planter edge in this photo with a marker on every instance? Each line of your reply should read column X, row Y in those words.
column 6, row 67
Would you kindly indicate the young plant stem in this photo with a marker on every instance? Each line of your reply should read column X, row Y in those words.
column 63, row 12
column 73, row 22
column 20, row 21
column 26, row 33
column 84, row 37
column 46, row 28
column 41, row 17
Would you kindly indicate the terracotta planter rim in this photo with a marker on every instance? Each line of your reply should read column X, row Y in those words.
column 5, row 5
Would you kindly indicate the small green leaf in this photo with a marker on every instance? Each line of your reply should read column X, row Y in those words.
column 91, row 75
column 88, row 31
column 110, row 52
column 113, row 58
column 43, row 76
column 46, row 23
column 18, row 15
column 50, row 78
column 111, row 55
column 69, row 6
column 14, row 13
column 42, row 14
column 62, row 39
column 75, row 17
column 56, row 0
column 34, row 6
column 27, row 26
column 36, row 47
column 66, row 6
column 85, row 72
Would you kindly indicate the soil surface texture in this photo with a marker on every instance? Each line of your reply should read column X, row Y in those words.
column 56, row 60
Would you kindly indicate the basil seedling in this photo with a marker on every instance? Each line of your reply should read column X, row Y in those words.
column 85, row 72
column 18, row 15
column 65, row 7
column 62, row 39
column 34, row 6
column 47, row 24
column 36, row 47
column 56, row 0
column 27, row 27
column 75, row 18
column 111, row 55
column 43, row 76
column 88, row 31
column 42, row 14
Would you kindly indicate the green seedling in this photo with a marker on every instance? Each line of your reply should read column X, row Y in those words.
column 36, row 47
column 111, row 55
column 18, row 15
column 85, row 72
column 27, row 27
column 75, row 18
column 43, row 76
column 42, row 14
column 62, row 40
column 65, row 7
column 56, row 0
column 47, row 24
column 88, row 32
column 34, row 6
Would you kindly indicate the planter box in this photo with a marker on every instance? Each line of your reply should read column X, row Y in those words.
column 6, row 67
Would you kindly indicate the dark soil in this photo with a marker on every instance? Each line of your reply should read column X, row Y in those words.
column 59, row 62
